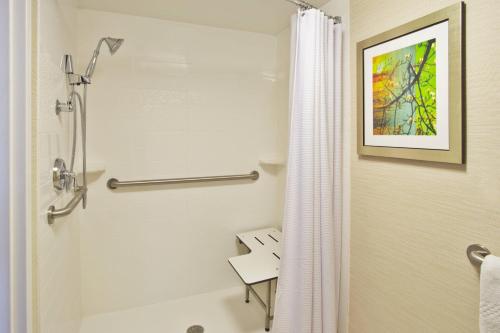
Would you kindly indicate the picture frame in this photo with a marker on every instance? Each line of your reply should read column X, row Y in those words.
column 410, row 90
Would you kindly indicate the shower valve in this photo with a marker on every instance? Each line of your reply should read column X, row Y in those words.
column 62, row 178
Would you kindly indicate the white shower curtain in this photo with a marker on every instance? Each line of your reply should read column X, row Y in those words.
column 307, row 299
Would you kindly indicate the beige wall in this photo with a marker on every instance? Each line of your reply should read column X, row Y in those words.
column 412, row 221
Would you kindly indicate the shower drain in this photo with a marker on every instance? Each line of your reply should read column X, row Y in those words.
column 195, row 329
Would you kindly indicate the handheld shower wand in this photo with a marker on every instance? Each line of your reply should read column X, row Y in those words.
column 113, row 45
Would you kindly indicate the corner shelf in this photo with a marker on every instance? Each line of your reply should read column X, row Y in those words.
column 273, row 160
column 94, row 167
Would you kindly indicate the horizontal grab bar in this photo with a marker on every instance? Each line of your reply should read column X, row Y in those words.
column 54, row 213
column 114, row 183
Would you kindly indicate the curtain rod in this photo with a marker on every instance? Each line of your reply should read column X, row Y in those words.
column 304, row 5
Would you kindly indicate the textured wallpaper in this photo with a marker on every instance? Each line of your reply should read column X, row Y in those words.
column 412, row 221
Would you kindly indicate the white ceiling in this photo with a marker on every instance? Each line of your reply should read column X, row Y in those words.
column 264, row 16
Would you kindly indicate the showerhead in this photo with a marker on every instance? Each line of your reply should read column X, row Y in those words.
column 113, row 45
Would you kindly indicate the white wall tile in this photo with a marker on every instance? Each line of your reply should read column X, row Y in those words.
column 176, row 100
column 58, row 256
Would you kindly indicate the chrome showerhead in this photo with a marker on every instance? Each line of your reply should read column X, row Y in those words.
column 113, row 45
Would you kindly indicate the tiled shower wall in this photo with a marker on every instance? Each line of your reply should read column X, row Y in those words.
column 176, row 100
column 58, row 257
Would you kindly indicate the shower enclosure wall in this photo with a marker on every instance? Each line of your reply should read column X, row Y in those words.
column 177, row 100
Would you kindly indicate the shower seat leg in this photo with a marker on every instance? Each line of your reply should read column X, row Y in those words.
column 268, row 307
column 247, row 294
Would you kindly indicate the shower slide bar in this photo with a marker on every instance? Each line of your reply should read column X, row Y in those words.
column 114, row 183
column 54, row 213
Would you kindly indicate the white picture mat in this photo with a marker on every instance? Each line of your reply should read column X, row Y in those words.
column 441, row 141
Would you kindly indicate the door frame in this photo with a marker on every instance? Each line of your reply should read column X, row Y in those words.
column 15, row 166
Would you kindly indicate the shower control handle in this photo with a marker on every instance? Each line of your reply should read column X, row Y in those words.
column 62, row 178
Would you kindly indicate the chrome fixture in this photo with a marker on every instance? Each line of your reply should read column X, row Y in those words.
column 304, row 5
column 54, row 213
column 114, row 183
column 113, row 45
column 63, row 178
column 76, row 79
column 67, row 68
column 63, row 107
column 67, row 64
column 477, row 253
column 195, row 329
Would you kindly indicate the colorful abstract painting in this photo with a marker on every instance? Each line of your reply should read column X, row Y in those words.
column 404, row 91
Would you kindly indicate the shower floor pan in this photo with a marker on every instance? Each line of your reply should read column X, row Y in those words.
column 222, row 311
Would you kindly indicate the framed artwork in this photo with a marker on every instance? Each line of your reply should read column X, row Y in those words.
column 409, row 90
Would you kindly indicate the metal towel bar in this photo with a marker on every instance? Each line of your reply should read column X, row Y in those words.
column 54, row 213
column 114, row 183
column 477, row 253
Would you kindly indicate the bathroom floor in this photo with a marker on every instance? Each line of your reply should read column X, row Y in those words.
column 222, row 311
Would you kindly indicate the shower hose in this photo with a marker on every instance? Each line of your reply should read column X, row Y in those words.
column 82, row 108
